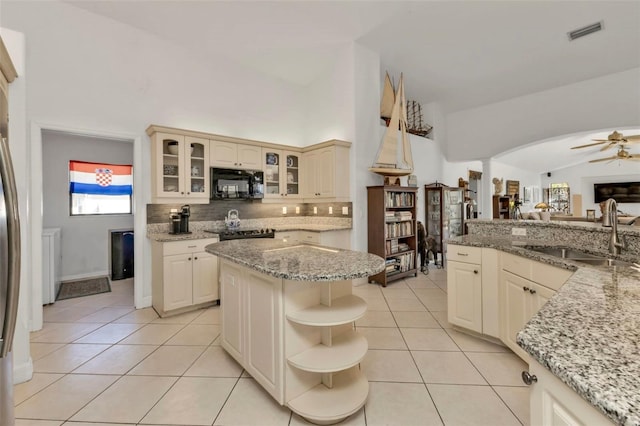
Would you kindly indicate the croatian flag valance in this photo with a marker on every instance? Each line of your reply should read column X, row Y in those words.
column 96, row 178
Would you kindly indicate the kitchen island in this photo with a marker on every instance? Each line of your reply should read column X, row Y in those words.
column 287, row 316
column 584, row 342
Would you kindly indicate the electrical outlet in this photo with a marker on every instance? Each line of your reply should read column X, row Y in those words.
column 315, row 210
column 521, row 232
column 297, row 209
column 345, row 210
column 284, row 210
column 330, row 210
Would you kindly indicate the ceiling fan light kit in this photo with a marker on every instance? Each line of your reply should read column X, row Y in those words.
column 615, row 139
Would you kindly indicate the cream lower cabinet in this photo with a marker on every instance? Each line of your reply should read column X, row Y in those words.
column 522, row 294
column 184, row 276
column 472, row 289
column 553, row 403
column 252, row 324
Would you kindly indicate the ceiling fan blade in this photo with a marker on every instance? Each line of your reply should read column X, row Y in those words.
column 608, row 146
column 602, row 140
column 604, row 159
column 587, row 145
column 634, row 138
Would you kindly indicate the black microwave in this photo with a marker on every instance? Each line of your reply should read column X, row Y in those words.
column 231, row 184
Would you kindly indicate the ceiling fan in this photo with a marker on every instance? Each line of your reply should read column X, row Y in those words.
column 622, row 154
column 615, row 138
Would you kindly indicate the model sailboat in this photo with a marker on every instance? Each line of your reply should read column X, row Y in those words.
column 394, row 155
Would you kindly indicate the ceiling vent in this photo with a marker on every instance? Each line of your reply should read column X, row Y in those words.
column 581, row 32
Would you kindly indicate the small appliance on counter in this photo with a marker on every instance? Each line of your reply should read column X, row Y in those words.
column 180, row 220
column 232, row 220
column 185, row 212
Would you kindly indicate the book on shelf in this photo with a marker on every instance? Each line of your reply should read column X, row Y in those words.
column 398, row 199
column 399, row 229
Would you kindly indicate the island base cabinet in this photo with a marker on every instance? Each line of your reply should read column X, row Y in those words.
column 297, row 340
column 252, row 324
column 553, row 403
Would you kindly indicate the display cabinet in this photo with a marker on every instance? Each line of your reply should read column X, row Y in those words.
column 444, row 216
column 281, row 173
column 391, row 212
column 180, row 168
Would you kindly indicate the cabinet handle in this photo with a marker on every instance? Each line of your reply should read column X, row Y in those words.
column 182, row 192
column 475, row 271
column 532, row 291
column 529, row 379
column 195, row 258
column 525, row 288
column 463, row 254
column 192, row 246
column 189, row 259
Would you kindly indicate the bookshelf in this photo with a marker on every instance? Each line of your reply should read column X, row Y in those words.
column 391, row 213
column 501, row 208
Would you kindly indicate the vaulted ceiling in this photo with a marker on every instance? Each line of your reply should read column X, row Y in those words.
column 460, row 54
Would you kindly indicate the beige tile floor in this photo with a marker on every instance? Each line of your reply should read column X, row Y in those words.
column 98, row 361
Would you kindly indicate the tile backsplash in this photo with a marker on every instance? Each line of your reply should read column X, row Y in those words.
column 217, row 210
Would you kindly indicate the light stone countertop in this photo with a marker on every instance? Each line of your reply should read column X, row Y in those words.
column 588, row 334
column 298, row 262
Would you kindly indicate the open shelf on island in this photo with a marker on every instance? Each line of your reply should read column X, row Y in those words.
column 323, row 405
column 342, row 311
column 346, row 350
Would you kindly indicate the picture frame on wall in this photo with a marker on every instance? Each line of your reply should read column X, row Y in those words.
column 513, row 187
column 591, row 215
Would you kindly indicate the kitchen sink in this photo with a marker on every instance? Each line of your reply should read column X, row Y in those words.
column 565, row 253
column 579, row 256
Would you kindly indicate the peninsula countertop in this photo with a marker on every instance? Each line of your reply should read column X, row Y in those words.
column 298, row 262
column 588, row 334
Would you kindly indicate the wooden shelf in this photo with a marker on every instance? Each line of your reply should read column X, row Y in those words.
column 382, row 200
column 346, row 350
column 323, row 405
column 342, row 311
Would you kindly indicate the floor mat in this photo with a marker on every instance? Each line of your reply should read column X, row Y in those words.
column 87, row 287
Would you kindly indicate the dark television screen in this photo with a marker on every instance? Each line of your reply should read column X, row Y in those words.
column 622, row 192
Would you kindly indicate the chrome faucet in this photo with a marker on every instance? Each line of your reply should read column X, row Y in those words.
column 610, row 219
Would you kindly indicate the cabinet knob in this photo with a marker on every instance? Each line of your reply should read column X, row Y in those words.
column 525, row 288
column 529, row 379
column 182, row 192
column 195, row 258
column 532, row 291
column 475, row 271
column 189, row 258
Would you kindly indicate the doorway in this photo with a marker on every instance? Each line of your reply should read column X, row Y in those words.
column 39, row 134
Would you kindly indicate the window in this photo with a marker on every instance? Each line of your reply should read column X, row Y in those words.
column 96, row 188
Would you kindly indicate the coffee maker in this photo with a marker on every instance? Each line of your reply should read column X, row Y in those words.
column 185, row 212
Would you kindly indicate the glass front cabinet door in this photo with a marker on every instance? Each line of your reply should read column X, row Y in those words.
column 281, row 174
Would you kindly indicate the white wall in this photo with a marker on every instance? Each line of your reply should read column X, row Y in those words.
column 582, row 177
column 508, row 172
column 605, row 102
column 84, row 239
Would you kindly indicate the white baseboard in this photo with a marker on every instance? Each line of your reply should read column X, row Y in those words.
column 22, row 372
column 84, row 276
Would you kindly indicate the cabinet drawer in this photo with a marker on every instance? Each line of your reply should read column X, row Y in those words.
column 464, row 254
column 517, row 265
column 188, row 246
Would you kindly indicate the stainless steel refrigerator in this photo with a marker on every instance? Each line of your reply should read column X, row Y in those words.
column 9, row 268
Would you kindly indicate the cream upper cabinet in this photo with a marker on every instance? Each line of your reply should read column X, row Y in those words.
column 180, row 168
column 232, row 155
column 282, row 173
column 326, row 172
